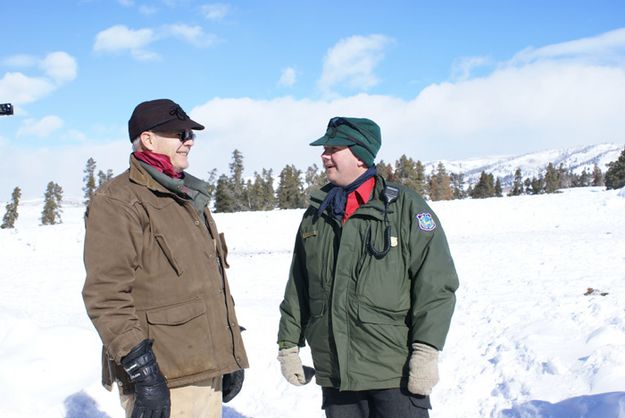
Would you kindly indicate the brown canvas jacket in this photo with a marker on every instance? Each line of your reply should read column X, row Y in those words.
column 154, row 270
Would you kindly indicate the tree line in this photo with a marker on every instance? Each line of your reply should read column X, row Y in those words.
column 232, row 192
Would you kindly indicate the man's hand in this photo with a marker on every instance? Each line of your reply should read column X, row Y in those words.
column 151, row 392
column 292, row 369
column 231, row 385
column 423, row 369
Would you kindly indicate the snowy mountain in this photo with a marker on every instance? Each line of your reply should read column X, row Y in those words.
column 532, row 164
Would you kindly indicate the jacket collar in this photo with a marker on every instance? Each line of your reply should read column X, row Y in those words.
column 373, row 208
column 138, row 174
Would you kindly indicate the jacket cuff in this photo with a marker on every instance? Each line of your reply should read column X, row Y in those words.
column 124, row 343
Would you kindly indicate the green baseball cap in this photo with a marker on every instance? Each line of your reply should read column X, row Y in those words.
column 360, row 134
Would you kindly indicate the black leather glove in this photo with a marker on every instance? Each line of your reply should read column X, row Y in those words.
column 151, row 392
column 231, row 384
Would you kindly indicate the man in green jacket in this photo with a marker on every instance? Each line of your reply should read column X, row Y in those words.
column 156, row 287
column 371, row 286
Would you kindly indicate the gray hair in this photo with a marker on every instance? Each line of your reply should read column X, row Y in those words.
column 136, row 144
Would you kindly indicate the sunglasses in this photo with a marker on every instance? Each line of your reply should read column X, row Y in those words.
column 186, row 135
column 183, row 136
column 338, row 121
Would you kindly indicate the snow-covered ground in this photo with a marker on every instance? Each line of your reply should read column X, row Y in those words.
column 526, row 339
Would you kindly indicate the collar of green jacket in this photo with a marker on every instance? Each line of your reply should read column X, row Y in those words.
column 373, row 208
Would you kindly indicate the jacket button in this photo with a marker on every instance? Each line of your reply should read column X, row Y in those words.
column 197, row 223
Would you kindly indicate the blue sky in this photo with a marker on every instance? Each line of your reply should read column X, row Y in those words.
column 445, row 80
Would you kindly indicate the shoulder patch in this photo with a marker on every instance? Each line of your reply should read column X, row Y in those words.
column 426, row 222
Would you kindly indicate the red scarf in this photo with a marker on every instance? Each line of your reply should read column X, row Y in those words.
column 161, row 162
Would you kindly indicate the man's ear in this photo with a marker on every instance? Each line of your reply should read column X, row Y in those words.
column 147, row 141
column 362, row 164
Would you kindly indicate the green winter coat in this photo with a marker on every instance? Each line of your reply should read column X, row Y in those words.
column 358, row 313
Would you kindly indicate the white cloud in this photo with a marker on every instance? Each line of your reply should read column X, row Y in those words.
column 352, row 61
column 20, row 60
column 120, row 38
column 288, row 77
column 215, row 11
column 60, row 67
column 192, row 34
column 462, row 67
column 604, row 48
column 41, row 128
column 21, row 89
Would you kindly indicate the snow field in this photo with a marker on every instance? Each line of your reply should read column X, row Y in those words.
column 525, row 341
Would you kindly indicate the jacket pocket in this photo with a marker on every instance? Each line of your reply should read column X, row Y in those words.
column 376, row 315
column 182, row 343
column 162, row 242
column 317, row 307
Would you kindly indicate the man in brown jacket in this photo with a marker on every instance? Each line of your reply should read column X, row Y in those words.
column 156, row 288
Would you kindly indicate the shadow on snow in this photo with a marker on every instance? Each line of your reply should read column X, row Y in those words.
column 81, row 405
column 602, row 405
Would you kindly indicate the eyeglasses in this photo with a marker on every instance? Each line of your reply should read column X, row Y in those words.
column 338, row 121
column 186, row 135
column 183, row 136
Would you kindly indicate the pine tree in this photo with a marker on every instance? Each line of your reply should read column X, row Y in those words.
column 89, row 181
column 314, row 181
column 52, row 200
column 528, row 185
column 11, row 215
column 537, row 184
column 552, row 179
column 615, row 175
column 410, row 173
column 597, row 176
column 517, row 184
column 212, row 184
column 104, row 177
column 485, row 187
column 290, row 189
column 440, row 184
column 269, row 194
column 457, row 185
column 255, row 192
column 566, row 177
column 584, row 179
column 236, row 181
column 260, row 192
column 385, row 170
column 498, row 190
column 224, row 198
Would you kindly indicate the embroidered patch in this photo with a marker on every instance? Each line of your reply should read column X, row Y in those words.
column 426, row 222
column 394, row 242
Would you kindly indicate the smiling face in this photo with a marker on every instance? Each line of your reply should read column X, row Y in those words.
column 341, row 165
column 169, row 144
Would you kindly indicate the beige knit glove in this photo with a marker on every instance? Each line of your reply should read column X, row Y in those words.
column 423, row 369
column 292, row 369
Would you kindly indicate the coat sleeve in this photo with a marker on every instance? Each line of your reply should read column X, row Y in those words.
column 113, row 241
column 294, row 311
column 434, row 281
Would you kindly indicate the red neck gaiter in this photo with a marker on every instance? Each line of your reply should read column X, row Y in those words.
column 161, row 162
